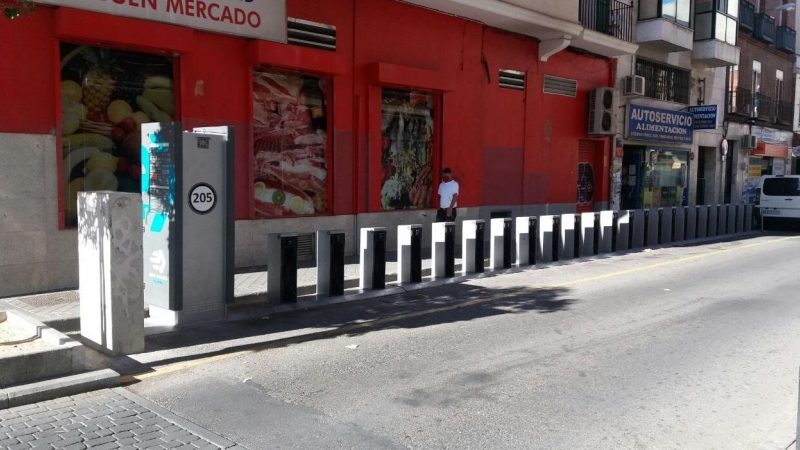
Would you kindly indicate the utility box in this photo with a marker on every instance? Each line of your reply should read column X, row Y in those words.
column 188, row 220
column 373, row 258
column 409, row 253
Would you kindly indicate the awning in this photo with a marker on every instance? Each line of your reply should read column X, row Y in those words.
column 771, row 150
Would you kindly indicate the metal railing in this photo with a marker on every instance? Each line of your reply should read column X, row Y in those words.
column 611, row 17
column 764, row 107
column 764, row 28
column 740, row 101
column 784, row 112
column 747, row 15
column 664, row 82
column 785, row 39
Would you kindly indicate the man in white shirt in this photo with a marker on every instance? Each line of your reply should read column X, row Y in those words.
column 448, row 197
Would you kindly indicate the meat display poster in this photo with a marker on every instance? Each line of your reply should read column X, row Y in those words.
column 106, row 96
column 290, row 123
column 406, row 149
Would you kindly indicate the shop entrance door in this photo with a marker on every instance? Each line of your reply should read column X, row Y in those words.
column 587, row 171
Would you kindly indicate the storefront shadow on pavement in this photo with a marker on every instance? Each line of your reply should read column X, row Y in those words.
column 444, row 304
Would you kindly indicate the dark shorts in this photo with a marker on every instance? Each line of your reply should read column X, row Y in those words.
column 441, row 215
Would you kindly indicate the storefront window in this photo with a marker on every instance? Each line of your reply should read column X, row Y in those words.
column 105, row 97
column 407, row 149
column 290, row 137
column 654, row 178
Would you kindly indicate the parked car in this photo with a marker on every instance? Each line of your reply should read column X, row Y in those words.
column 778, row 199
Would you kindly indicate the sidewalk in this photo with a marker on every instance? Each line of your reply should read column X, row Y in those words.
column 61, row 310
column 104, row 419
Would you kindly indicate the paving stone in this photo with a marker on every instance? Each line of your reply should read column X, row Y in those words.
column 21, row 446
column 107, row 446
column 99, row 441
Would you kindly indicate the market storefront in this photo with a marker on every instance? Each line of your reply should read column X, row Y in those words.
column 656, row 173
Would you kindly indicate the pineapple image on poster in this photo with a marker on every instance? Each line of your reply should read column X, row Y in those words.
column 106, row 95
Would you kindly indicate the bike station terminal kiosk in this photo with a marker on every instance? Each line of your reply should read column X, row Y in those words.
column 188, row 220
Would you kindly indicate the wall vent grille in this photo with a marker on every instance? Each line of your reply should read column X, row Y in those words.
column 311, row 34
column 560, row 86
column 511, row 79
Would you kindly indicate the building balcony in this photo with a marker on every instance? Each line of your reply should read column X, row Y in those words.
column 555, row 23
column 609, row 27
column 764, row 29
column 785, row 39
column 664, row 35
column 764, row 107
column 714, row 53
column 747, row 16
column 784, row 112
column 740, row 102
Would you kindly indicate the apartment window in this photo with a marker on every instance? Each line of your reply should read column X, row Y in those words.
column 678, row 11
column 755, row 83
column 716, row 19
column 664, row 82
column 778, row 84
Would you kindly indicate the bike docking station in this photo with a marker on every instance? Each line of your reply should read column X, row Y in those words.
column 282, row 267
column 526, row 240
column 500, row 243
column 443, row 250
column 330, row 263
column 472, row 237
column 373, row 258
column 188, row 222
column 409, row 253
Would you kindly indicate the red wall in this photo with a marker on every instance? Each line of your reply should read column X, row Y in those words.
column 505, row 147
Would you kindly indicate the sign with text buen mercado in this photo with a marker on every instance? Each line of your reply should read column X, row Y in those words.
column 658, row 125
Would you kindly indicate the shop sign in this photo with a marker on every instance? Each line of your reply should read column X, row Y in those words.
column 796, row 152
column 658, row 125
column 705, row 117
column 260, row 19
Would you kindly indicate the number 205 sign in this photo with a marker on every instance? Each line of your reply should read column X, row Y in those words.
column 202, row 198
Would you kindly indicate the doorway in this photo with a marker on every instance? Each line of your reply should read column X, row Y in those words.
column 700, row 195
column 729, row 171
column 587, row 174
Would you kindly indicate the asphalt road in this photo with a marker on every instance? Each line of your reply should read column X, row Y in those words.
column 692, row 347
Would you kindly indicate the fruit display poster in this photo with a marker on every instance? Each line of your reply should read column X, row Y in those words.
column 406, row 149
column 290, row 123
column 106, row 95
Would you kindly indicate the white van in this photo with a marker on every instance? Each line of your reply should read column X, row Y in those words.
column 778, row 198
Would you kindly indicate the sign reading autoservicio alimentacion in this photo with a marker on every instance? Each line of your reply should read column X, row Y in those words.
column 258, row 19
column 658, row 125
column 705, row 117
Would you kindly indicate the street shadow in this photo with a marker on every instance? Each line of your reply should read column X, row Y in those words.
column 430, row 307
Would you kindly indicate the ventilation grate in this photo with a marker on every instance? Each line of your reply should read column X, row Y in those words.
column 203, row 142
column 311, row 34
column 560, row 86
column 305, row 247
column 511, row 79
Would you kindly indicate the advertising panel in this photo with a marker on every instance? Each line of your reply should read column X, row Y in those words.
column 658, row 125
column 290, row 137
column 406, row 149
column 705, row 117
column 261, row 19
column 106, row 95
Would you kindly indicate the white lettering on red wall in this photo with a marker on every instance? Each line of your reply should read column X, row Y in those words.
column 259, row 19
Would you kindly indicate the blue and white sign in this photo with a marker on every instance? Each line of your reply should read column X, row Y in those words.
column 705, row 117
column 658, row 125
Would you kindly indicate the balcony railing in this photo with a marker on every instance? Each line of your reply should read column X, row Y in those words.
column 740, row 102
column 764, row 28
column 785, row 39
column 611, row 17
column 764, row 107
column 747, row 15
column 784, row 113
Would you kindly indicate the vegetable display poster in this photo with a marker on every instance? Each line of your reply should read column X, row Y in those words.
column 290, row 122
column 406, row 149
column 106, row 95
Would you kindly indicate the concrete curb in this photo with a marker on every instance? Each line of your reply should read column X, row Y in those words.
column 783, row 437
column 60, row 387
column 201, row 432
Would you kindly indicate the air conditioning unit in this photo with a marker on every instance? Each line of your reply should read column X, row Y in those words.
column 634, row 85
column 601, row 111
column 749, row 142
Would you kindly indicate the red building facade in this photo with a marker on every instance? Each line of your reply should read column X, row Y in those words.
column 406, row 92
